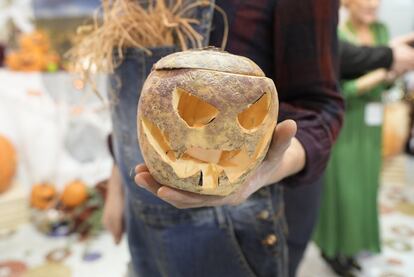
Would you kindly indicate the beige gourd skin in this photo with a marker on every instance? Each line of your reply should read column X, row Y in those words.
column 205, row 120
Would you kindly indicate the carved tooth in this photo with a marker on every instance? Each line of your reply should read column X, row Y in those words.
column 211, row 176
column 200, row 181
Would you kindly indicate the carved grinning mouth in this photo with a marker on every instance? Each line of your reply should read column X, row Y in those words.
column 208, row 163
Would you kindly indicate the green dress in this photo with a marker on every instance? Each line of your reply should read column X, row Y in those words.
column 348, row 220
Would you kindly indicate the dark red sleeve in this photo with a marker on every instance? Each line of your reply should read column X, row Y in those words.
column 306, row 78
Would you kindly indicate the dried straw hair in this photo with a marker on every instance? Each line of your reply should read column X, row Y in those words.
column 139, row 24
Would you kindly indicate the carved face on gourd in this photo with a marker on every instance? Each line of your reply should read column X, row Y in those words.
column 205, row 120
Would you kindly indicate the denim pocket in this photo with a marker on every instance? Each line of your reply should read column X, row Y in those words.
column 194, row 242
column 233, row 240
column 222, row 241
column 256, row 227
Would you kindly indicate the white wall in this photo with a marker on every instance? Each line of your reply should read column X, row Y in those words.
column 398, row 15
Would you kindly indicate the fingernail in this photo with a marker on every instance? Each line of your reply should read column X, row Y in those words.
column 141, row 185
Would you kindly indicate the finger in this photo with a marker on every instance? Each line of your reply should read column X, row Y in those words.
column 140, row 168
column 120, row 232
column 146, row 181
column 117, row 236
column 111, row 228
column 184, row 199
column 105, row 222
column 408, row 38
column 404, row 39
column 284, row 132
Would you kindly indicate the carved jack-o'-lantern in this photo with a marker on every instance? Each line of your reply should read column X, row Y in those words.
column 205, row 120
column 8, row 163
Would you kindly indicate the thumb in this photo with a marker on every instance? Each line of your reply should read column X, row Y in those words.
column 282, row 137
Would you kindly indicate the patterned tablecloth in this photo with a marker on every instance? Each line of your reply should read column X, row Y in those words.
column 97, row 257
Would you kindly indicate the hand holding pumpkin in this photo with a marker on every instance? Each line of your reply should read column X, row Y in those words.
column 285, row 157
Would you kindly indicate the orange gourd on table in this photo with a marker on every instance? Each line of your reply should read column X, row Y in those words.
column 43, row 196
column 8, row 163
column 37, row 40
column 74, row 194
column 26, row 61
column 34, row 54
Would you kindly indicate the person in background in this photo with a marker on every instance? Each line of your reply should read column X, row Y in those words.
column 348, row 221
column 302, row 203
column 356, row 60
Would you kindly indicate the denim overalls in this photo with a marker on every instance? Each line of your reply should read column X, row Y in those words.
column 245, row 240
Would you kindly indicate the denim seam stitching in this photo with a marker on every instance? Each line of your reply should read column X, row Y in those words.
column 239, row 254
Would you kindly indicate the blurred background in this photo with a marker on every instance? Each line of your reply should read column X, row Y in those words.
column 54, row 159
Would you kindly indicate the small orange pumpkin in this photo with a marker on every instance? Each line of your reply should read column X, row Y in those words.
column 43, row 196
column 12, row 61
column 26, row 61
column 37, row 40
column 8, row 163
column 34, row 54
column 74, row 194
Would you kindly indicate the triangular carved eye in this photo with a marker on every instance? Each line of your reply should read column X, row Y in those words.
column 193, row 110
column 255, row 113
